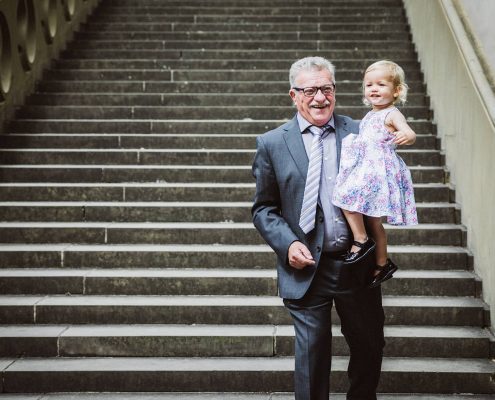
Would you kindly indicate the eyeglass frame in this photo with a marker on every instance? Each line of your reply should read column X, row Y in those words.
column 318, row 88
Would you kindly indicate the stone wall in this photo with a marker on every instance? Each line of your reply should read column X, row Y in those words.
column 464, row 110
column 33, row 32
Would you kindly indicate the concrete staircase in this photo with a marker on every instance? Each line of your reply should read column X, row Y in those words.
column 129, row 262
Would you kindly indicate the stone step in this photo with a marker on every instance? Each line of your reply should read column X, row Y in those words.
column 223, row 396
column 268, row 374
column 180, row 282
column 407, row 65
column 200, row 100
column 254, row 3
column 205, row 87
column 158, row 173
column 168, row 156
column 315, row 45
column 191, row 34
column 195, row 233
column 380, row 17
column 322, row 28
column 64, row 255
column 190, row 112
column 79, row 211
column 255, row 54
column 154, row 141
column 109, row 11
column 165, row 192
column 211, row 309
column 224, row 341
column 160, row 74
column 110, row 21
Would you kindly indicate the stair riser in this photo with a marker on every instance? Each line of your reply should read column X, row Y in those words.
column 188, row 112
column 246, row 54
column 142, row 157
column 163, row 314
column 136, row 142
column 72, row 258
column 377, row 17
column 245, row 381
column 202, row 63
column 230, row 35
column 117, row 194
column 342, row 4
column 115, row 213
column 279, row 87
column 223, row 346
column 119, row 26
column 195, row 235
column 316, row 45
column 187, row 100
column 209, row 286
column 193, row 75
column 231, row 381
column 244, row 11
column 109, row 174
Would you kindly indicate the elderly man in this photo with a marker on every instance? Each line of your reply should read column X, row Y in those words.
column 295, row 168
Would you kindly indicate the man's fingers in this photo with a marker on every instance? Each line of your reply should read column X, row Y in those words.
column 300, row 256
column 306, row 253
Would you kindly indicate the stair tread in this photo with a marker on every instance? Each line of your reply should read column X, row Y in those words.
column 140, row 330
column 202, row 273
column 216, row 301
column 416, row 364
column 222, row 396
column 190, row 225
column 200, row 248
column 171, row 151
column 174, row 204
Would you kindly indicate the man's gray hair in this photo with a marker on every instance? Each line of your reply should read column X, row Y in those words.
column 310, row 64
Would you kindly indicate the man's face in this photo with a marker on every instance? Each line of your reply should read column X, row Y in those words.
column 318, row 109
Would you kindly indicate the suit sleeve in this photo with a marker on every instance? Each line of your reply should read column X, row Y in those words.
column 266, row 210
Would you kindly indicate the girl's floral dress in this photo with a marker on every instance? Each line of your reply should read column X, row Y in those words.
column 373, row 180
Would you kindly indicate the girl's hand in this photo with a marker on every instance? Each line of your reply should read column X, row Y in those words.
column 404, row 138
column 397, row 124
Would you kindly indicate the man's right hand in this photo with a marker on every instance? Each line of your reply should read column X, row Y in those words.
column 299, row 256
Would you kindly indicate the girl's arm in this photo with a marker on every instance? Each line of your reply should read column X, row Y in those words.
column 403, row 132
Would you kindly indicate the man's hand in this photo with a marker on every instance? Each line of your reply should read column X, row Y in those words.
column 299, row 256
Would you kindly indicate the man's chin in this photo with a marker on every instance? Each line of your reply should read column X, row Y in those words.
column 321, row 118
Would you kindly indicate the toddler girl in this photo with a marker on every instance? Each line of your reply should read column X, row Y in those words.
column 373, row 180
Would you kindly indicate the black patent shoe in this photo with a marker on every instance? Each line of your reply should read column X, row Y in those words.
column 364, row 249
column 386, row 272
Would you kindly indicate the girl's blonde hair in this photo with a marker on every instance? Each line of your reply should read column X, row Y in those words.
column 397, row 77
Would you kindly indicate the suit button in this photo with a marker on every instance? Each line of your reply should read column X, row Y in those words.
column 321, row 219
column 318, row 249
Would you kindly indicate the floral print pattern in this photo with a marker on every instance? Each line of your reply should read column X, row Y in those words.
column 373, row 180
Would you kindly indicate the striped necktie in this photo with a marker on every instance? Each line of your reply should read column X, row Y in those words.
column 310, row 199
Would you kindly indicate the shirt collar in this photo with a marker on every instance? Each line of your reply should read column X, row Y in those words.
column 304, row 124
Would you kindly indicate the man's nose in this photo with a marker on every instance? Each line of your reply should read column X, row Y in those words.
column 319, row 96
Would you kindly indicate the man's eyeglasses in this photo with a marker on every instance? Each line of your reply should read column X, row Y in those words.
column 311, row 91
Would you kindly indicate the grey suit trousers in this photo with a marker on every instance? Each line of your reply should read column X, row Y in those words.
column 362, row 318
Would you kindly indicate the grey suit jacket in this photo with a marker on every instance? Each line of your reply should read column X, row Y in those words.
column 280, row 168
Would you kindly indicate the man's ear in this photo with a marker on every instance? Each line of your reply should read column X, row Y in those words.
column 292, row 94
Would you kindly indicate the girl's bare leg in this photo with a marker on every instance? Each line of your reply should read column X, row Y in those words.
column 378, row 233
column 356, row 223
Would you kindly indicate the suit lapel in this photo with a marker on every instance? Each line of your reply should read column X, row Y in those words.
column 295, row 144
column 293, row 139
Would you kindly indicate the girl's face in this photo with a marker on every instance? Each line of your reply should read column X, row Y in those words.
column 378, row 89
